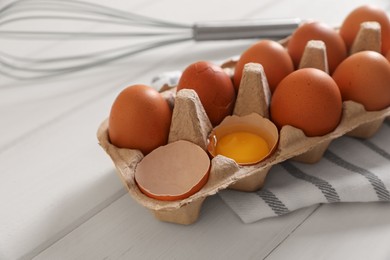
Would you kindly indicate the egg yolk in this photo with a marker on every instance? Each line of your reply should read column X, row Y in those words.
column 243, row 147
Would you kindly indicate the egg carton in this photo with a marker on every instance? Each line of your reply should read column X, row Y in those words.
column 253, row 97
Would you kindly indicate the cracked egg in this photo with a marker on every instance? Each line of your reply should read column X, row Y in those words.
column 247, row 139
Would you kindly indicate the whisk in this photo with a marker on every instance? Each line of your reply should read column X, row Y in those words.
column 143, row 32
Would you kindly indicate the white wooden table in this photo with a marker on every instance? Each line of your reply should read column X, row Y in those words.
column 61, row 198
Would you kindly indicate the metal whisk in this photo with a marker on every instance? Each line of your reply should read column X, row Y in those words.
column 136, row 33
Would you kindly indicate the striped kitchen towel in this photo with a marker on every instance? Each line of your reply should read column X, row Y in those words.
column 352, row 170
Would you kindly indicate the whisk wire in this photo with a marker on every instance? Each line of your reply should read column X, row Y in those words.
column 84, row 8
column 80, row 35
column 158, row 33
column 129, row 19
column 88, row 61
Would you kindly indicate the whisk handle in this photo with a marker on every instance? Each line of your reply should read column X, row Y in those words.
column 230, row 30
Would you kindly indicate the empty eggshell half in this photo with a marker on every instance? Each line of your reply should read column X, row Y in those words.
column 173, row 172
column 252, row 123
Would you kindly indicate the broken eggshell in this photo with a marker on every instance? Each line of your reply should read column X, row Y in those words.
column 173, row 172
column 252, row 123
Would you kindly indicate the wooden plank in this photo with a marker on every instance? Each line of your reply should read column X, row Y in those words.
column 130, row 232
column 340, row 231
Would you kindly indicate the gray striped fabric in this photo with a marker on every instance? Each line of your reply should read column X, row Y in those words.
column 352, row 170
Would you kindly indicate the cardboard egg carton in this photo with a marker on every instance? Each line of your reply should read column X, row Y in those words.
column 190, row 122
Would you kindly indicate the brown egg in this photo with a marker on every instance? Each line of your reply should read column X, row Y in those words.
column 364, row 77
column 139, row 119
column 335, row 46
column 213, row 86
column 308, row 99
column 366, row 13
column 272, row 56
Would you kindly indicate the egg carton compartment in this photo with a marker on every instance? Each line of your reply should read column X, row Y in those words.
column 225, row 173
